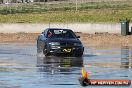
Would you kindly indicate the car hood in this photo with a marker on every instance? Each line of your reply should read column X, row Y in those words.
column 65, row 40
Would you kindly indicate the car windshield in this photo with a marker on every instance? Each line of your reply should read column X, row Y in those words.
column 60, row 33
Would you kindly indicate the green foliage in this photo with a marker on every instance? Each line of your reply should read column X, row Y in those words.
column 65, row 12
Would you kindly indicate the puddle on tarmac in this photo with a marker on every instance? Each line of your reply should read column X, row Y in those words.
column 22, row 67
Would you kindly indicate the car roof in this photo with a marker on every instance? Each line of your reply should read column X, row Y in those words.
column 57, row 29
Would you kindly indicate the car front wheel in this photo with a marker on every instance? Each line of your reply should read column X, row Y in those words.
column 79, row 54
column 45, row 51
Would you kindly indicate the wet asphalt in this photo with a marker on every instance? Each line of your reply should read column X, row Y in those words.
column 22, row 67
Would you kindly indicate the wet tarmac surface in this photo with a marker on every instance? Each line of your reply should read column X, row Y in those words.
column 22, row 67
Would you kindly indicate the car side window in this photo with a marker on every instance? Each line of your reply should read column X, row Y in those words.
column 44, row 33
column 50, row 34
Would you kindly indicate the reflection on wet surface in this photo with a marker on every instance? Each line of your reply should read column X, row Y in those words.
column 59, row 68
column 59, row 65
column 126, row 57
column 22, row 67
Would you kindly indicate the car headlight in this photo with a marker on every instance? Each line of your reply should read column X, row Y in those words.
column 77, row 44
column 54, row 43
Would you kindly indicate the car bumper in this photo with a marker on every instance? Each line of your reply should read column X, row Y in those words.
column 60, row 49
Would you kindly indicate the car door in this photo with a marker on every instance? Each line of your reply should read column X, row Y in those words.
column 41, row 41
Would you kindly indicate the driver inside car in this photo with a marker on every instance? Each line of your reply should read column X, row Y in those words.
column 50, row 34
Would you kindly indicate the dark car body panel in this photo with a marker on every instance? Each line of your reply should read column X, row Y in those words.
column 57, row 45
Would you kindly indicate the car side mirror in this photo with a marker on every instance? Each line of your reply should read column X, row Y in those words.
column 78, row 36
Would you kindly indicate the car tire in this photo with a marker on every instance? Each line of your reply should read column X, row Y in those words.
column 39, row 46
column 47, row 54
column 45, row 51
column 79, row 54
column 38, row 50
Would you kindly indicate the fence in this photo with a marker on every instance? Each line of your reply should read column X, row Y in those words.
column 90, row 28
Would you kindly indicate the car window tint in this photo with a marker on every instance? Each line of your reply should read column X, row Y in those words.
column 60, row 34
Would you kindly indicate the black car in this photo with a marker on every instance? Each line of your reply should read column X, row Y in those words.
column 59, row 41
